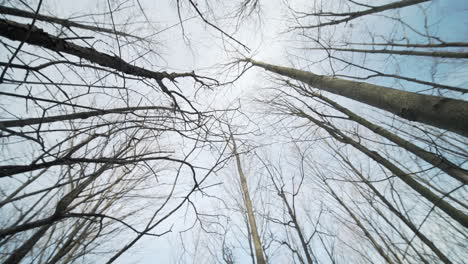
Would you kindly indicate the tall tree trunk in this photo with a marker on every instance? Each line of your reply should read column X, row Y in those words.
column 445, row 165
column 415, row 45
column 397, row 213
column 21, row 252
column 438, row 54
column 300, row 234
column 373, row 10
column 46, row 223
column 260, row 256
column 434, row 199
column 82, row 115
column 445, row 113
column 376, row 245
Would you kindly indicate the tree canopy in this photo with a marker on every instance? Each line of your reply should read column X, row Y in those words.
column 285, row 131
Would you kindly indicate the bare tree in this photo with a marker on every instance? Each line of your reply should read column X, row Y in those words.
column 105, row 142
column 438, row 111
column 98, row 141
column 252, row 223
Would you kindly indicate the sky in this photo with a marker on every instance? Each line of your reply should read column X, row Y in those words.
column 270, row 42
column 204, row 51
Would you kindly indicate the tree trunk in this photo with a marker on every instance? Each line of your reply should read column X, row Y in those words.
column 441, row 112
column 438, row 54
column 249, row 207
column 21, row 252
column 415, row 45
column 376, row 245
column 397, row 213
column 448, row 167
column 376, row 9
column 297, row 227
column 64, row 22
column 435, row 200
column 81, row 115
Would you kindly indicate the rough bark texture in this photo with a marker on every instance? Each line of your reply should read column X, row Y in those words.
column 445, row 113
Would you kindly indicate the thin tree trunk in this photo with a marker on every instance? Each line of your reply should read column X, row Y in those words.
column 437, row 201
column 60, row 209
column 64, row 22
column 82, row 115
column 260, row 256
column 397, row 213
column 445, row 165
column 249, row 238
column 438, row 54
column 292, row 215
column 21, row 252
column 361, row 226
column 397, row 230
column 297, row 227
column 82, row 227
column 445, row 113
column 353, row 15
column 414, row 45
column 396, row 76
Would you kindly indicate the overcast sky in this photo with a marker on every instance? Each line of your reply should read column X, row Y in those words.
column 205, row 51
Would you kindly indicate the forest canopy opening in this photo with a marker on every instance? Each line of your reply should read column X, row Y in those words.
column 245, row 131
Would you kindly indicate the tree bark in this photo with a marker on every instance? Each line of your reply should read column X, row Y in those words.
column 445, row 165
column 260, row 256
column 81, row 115
column 36, row 36
column 64, row 22
column 446, row 113
column 415, row 45
column 438, row 54
column 353, row 15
